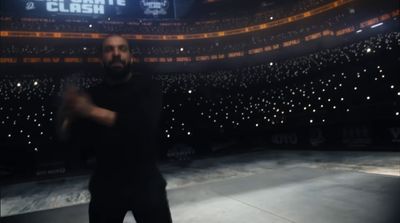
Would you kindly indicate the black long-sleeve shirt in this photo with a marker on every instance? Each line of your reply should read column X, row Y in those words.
column 125, row 152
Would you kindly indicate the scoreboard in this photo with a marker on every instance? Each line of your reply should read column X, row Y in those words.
column 78, row 6
column 158, row 9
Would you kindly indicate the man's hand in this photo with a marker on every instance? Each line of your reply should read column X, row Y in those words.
column 74, row 105
column 77, row 104
column 80, row 105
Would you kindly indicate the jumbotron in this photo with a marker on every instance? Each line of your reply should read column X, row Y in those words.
column 82, row 6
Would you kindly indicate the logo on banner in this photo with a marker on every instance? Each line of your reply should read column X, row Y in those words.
column 395, row 134
column 154, row 7
column 30, row 6
column 284, row 139
column 357, row 135
column 316, row 137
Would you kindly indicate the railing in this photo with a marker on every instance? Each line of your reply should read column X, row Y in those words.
column 259, row 27
column 216, row 56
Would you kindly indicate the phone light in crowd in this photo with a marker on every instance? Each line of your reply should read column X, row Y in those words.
column 376, row 25
column 359, row 31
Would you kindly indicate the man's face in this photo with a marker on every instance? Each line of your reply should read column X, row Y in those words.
column 116, row 56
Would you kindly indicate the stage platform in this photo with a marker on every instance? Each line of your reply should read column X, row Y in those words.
column 258, row 187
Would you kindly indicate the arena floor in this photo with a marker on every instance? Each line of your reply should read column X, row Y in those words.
column 261, row 186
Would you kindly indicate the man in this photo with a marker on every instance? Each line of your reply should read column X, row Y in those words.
column 118, row 119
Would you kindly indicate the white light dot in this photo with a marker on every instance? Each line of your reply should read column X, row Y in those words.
column 188, row 133
column 18, row 84
column 368, row 97
column 311, row 121
column 189, row 91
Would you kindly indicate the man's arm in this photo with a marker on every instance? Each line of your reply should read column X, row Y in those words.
column 63, row 123
column 102, row 116
column 80, row 105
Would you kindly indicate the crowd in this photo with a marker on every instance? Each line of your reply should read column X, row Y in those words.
column 184, row 48
column 273, row 71
column 313, row 89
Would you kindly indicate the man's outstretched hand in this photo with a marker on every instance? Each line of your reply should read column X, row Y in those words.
column 77, row 104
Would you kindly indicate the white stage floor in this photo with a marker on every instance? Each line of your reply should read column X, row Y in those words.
column 264, row 186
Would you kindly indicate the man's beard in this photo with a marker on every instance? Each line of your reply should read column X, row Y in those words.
column 117, row 73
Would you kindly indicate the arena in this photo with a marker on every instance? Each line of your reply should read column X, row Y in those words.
column 200, row 111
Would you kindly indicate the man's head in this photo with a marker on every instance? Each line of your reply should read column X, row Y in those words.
column 116, row 57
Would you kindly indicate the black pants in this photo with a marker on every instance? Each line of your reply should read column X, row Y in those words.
column 148, row 203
